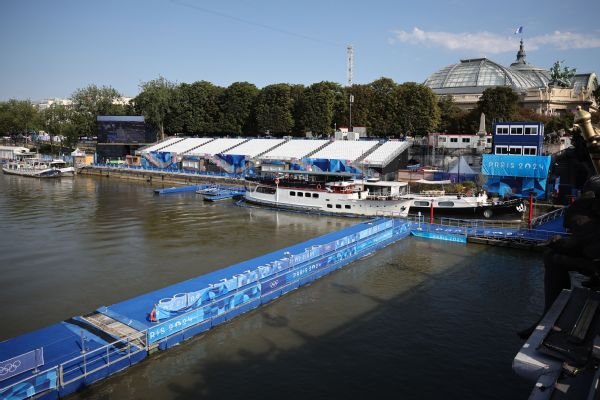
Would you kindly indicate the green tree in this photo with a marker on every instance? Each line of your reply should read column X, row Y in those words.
column 418, row 112
column 58, row 121
column 201, row 113
column 320, row 100
column 362, row 96
column 274, row 109
column 237, row 104
column 90, row 102
column 500, row 103
column 18, row 117
column 298, row 109
column 154, row 102
column 383, row 108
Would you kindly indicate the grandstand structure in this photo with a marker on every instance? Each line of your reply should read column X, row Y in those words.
column 243, row 155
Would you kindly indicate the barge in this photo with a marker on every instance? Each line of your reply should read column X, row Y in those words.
column 68, row 356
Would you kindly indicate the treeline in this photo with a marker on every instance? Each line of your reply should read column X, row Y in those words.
column 241, row 109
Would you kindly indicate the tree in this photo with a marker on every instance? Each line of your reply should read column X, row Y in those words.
column 362, row 95
column 90, row 102
column 418, row 112
column 383, row 108
column 58, row 121
column 274, row 109
column 237, row 104
column 18, row 117
column 298, row 109
column 320, row 99
column 154, row 102
column 500, row 103
column 201, row 112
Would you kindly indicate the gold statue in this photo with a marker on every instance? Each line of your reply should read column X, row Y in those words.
column 583, row 120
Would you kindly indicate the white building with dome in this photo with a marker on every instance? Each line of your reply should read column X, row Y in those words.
column 466, row 81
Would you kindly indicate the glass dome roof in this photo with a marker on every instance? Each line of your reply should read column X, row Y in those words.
column 478, row 73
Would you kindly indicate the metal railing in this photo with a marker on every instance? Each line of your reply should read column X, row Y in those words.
column 103, row 358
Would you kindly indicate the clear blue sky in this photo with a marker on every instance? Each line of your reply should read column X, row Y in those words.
column 51, row 48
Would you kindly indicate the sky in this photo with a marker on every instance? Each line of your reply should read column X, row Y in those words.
column 49, row 49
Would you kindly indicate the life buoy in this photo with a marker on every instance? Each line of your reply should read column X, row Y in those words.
column 153, row 315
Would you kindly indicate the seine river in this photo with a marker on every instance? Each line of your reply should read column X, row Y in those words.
column 417, row 320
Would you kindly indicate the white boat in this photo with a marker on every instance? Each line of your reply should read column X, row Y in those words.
column 28, row 164
column 476, row 205
column 328, row 193
column 62, row 166
column 338, row 194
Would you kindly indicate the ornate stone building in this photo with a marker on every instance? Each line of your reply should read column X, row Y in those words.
column 538, row 87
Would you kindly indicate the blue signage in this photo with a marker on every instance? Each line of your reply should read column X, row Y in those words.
column 177, row 324
column 511, row 165
column 22, row 363
column 32, row 386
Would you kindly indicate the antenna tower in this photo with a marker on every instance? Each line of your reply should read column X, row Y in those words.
column 350, row 61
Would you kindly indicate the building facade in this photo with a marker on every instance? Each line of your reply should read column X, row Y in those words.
column 467, row 80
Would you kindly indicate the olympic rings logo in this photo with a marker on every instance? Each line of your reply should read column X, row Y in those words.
column 9, row 367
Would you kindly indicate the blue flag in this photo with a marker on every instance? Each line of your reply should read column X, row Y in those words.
column 519, row 30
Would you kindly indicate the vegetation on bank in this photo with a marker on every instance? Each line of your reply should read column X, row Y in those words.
column 241, row 109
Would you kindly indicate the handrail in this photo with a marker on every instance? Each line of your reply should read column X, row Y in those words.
column 81, row 363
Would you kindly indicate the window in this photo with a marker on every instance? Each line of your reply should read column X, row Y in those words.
column 529, row 150
column 531, row 130
column 501, row 149
column 316, row 195
column 338, row 206
column 292, row 193
column 466, row 140
column 502, row 130
column 453, row 140
column 419, row 203
column 446, row 204
column 300, row 194
column 488, row 140
column 265, row 190
column 329, row 206
column 516, row 130
column 347, row 206
column 442, row 140
column 515, row 150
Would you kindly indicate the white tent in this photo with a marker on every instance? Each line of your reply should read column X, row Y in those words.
column 462, row 168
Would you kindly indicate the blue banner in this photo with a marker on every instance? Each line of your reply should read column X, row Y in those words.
column 511, row 165
column 32, row 386
column 22, row 363
column 178, row 324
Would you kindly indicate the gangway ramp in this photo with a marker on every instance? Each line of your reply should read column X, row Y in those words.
column 116, row 328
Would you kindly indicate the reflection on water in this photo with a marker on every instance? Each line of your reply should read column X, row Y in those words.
column 419, row 317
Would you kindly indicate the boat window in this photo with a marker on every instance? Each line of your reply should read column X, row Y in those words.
column 329, row 206
column 338, row 206
column 316, row 195
column 292, row 193
column 419, row 203
column 265, row 189
column 446, row 204
column 347, row 206
column 300, row 194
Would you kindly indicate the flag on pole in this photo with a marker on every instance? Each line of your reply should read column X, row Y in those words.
column 519, row 30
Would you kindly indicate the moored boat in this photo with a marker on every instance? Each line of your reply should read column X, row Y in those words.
column 328, row 193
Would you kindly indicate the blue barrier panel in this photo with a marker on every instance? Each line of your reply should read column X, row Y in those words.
column 30, row 387
column 177, row 324
column 21, row 363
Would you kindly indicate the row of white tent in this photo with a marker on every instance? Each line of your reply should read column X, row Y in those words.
column 368, row 152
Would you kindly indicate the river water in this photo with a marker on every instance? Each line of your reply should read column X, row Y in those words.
column 420, row 319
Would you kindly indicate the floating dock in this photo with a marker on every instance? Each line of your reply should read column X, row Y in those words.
column 65, row 357
column 181, row 189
